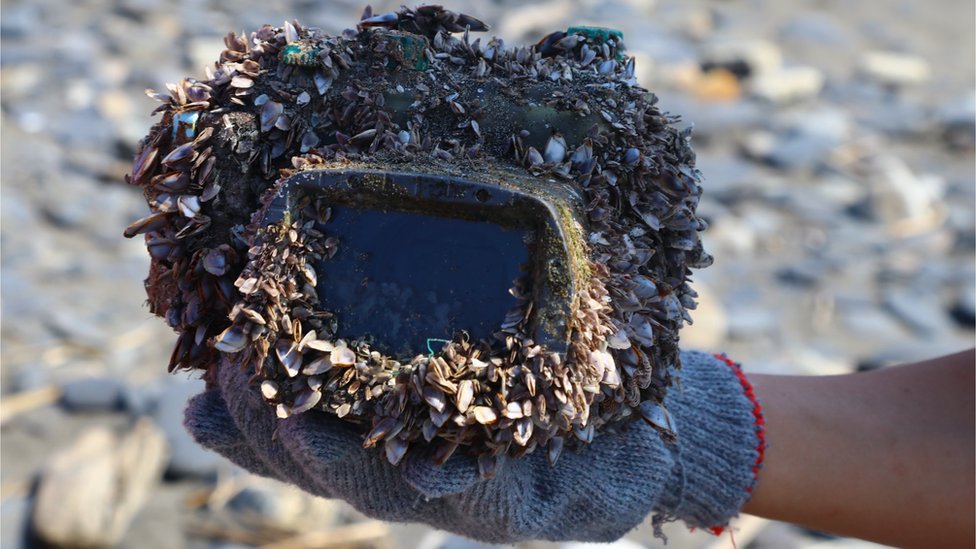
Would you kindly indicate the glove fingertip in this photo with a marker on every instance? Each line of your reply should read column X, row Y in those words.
column 209, row 423
column 315, row 435
column 434, row 481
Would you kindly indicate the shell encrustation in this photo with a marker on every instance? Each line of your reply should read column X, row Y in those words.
column 411, row 91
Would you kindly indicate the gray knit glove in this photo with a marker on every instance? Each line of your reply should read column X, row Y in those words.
column 596, row 494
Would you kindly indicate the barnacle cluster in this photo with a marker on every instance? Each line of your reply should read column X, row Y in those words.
column 412, row 91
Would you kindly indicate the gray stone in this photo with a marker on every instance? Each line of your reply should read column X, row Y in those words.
column 899, row 197
column 141, row 400
column 18, row 19
column 276, row 506
column 79, row 208
column 89, row 492
column 800, row 139
column 82, row 129
column 959, row 132
column 30, row 377
column 79, row 46
column 921, row 312
column 895, row 117
column 187, row 458
column 798, row 152
column 958, row 123
column 871, row 363
column 75, row 325
column 731, row 235
column 816, row 30
column 963, row 311
column 139, row 6
column 803, row 274
column 871, row 323
column 838, row 191
column 92, row 393
column 829, row 123
column 759, row 144
column 256, row 500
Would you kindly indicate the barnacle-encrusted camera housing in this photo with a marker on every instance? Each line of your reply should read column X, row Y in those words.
column 442, row 240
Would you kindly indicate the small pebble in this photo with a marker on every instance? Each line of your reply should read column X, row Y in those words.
column 919, row 311
column 101, row 393
column 256, row 501
column 744, row 58
column 895, row 69
column 141, row 400
column 788, row 84
column 815, row 30
column 963, row 311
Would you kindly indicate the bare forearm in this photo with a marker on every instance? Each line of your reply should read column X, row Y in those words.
column 886, row 455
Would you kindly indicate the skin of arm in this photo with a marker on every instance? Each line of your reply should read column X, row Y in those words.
column 886, row 455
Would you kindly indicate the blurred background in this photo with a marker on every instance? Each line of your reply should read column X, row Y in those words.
column 837, row 143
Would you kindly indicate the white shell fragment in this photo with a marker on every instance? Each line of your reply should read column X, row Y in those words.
column 269, row 389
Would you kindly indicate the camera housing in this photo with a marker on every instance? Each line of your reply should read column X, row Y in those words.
column 442, row 240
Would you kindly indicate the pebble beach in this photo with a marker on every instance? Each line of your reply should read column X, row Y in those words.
column 837, row 145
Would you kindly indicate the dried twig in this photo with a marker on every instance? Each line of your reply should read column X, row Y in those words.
column 18, row 403
column 374, row 532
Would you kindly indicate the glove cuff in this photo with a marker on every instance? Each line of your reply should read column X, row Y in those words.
column 720, row 447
